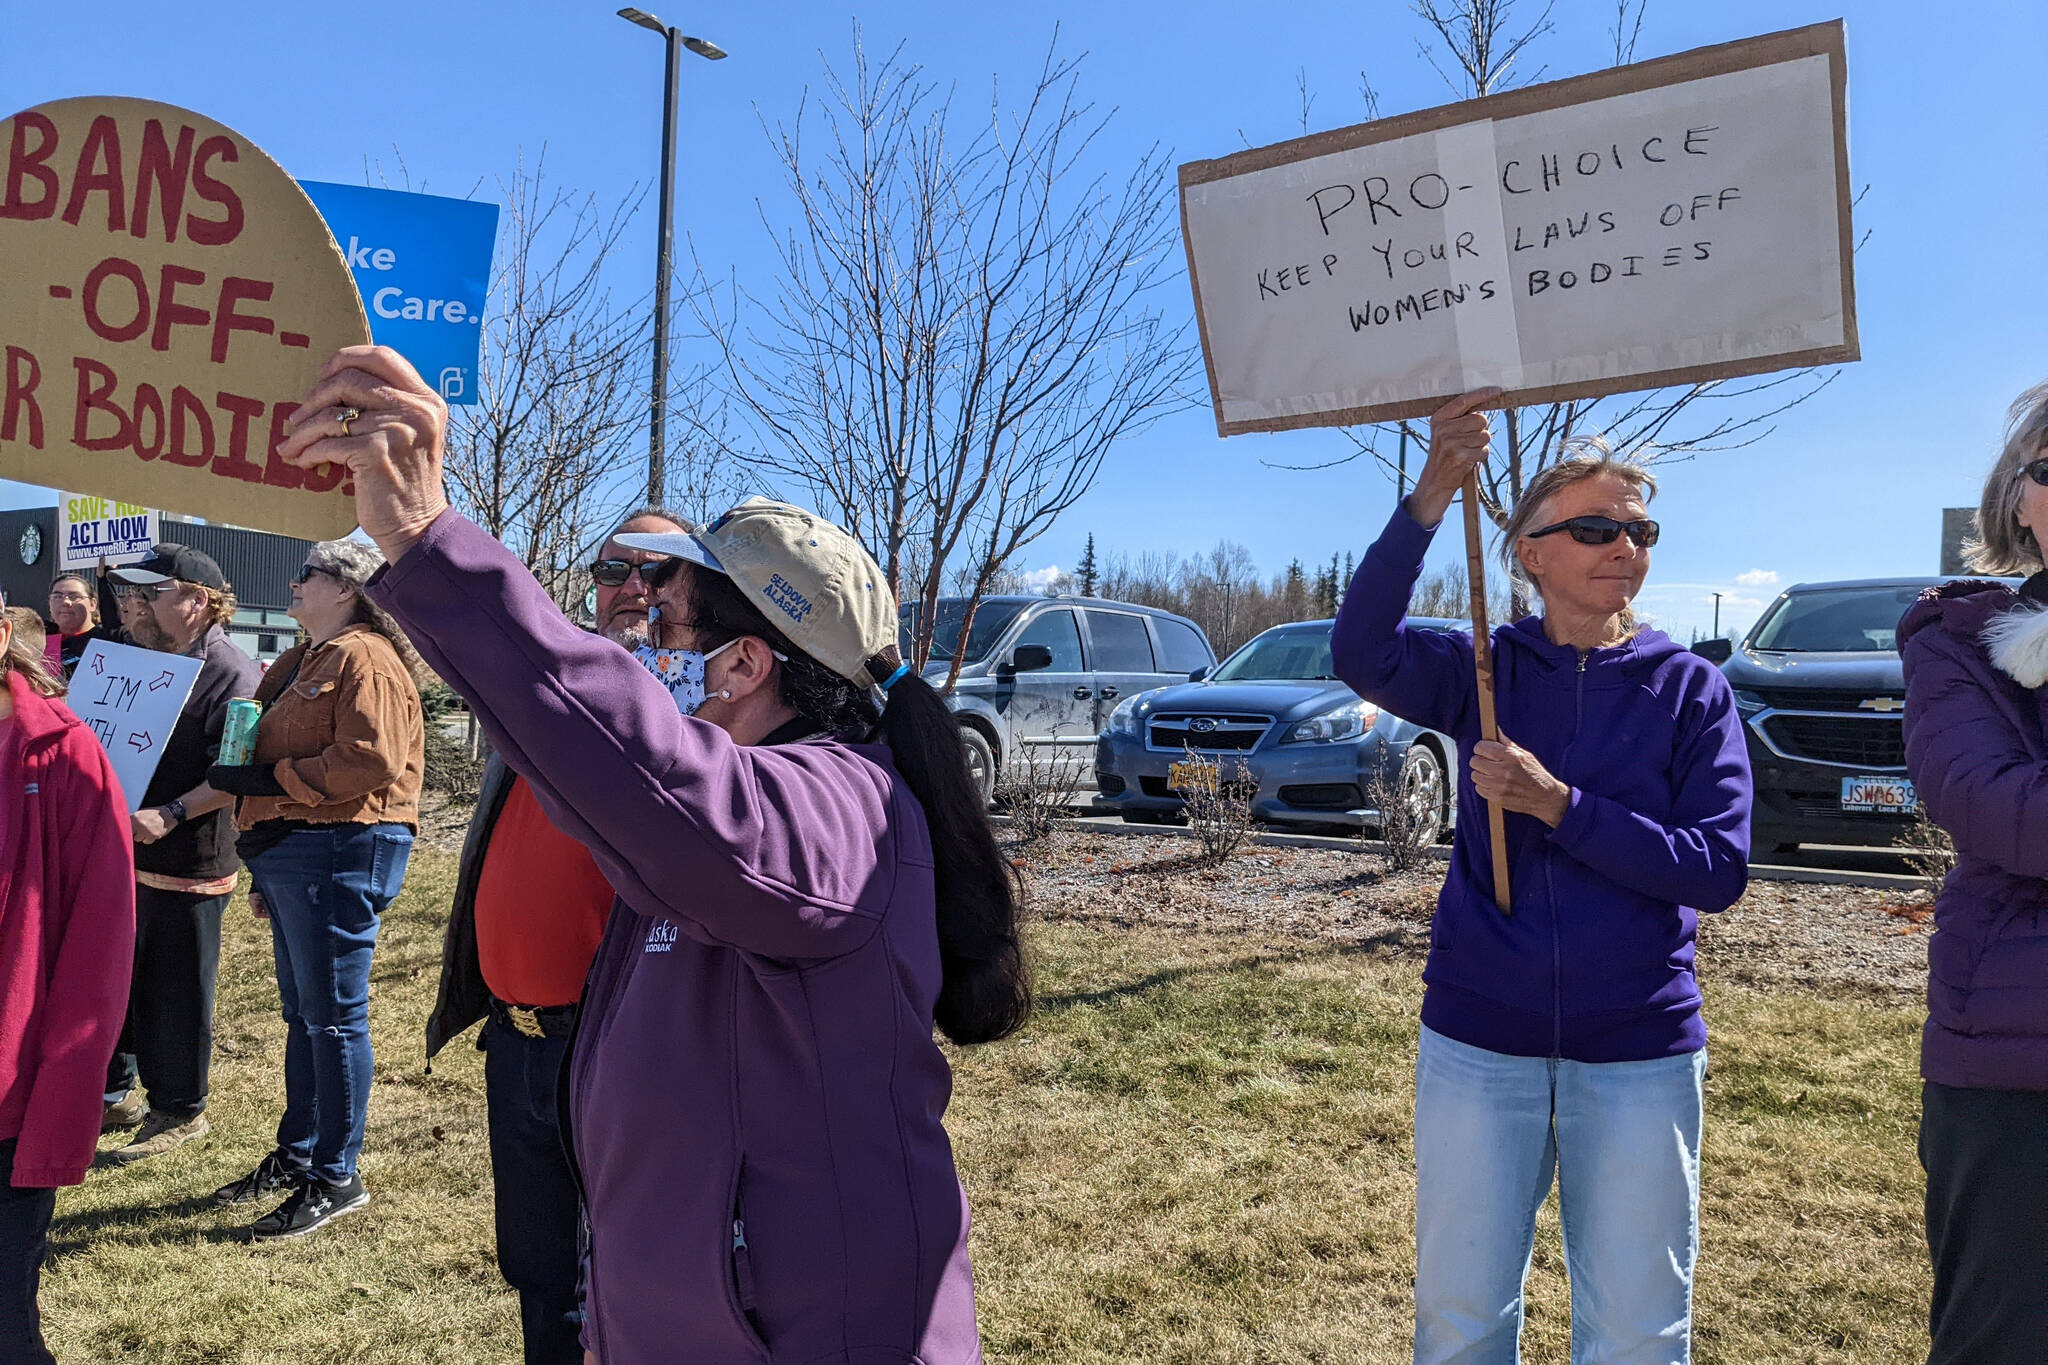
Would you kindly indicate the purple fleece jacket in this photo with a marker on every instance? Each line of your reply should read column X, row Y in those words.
column 1596, row 963
column 1977, row 749
column 756, row 1096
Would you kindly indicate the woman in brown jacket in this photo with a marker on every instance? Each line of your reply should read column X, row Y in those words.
column 329, row 808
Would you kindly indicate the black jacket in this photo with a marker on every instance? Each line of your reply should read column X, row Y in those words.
column 464, row 998
column 205, row 846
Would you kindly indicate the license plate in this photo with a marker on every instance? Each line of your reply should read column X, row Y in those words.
column 1192, row 775
column 1879, row 795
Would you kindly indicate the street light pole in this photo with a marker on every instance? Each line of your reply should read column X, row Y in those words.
column 657, row 398
column 1717, row 616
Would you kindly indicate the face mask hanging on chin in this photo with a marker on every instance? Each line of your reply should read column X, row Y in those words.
column 681, row 671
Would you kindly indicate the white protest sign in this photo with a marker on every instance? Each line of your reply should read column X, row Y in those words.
column 93, row 529
column 1671, row 222
column 130, row 698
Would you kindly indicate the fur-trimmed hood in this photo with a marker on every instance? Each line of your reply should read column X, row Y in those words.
column 2011, row 627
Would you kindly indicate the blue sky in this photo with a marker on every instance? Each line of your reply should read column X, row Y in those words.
column 1946, row 126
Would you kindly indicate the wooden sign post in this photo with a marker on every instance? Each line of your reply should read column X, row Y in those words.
column 1482, row 661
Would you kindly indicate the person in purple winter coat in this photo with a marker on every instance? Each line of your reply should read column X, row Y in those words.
column 1976, row 655
column 806, row 883
column 1564, row 1039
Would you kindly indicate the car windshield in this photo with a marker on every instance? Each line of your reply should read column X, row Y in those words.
column 1290, row 654
column 1836, row 620
column 991, row 619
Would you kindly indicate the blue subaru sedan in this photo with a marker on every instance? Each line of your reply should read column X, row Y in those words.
column 1274, row 716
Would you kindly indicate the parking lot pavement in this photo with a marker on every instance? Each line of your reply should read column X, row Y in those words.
column 1839, row 864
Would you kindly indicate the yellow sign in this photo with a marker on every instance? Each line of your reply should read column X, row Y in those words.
column 167, row 298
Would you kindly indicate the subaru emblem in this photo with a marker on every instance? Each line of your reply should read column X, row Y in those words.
column 1202, row 726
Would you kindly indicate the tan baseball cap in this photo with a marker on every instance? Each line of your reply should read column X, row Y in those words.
column 819, row 585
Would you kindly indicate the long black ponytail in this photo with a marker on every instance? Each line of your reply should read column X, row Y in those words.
column 985, row 990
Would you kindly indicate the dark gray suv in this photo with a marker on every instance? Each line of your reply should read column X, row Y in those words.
column 1040, row 675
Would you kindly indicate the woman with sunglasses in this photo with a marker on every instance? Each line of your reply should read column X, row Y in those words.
column 1976, row 656
column 327, row 815
column 1561, row 1038
column 807, row 885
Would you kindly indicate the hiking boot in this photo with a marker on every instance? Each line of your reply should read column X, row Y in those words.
column 160, row 1133
column 273, row 1175
column 312, row 1205
column 126, row 1112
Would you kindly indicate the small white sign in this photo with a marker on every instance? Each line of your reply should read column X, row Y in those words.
column 130, row 699
column 90, row 530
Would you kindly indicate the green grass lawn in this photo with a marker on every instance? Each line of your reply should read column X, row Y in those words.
column 1197, row 1152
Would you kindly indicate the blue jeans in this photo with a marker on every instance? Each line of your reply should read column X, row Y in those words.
column 539, row 1209
column 325, row 887
column 1622, row 1139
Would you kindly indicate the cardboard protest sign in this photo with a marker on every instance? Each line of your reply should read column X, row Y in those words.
column 167, row 298
column 130, row 699
column 1671, row 222
column 91, row 531
column 423, row 265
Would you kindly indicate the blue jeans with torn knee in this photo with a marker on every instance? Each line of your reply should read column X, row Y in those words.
column 326, row 886
column 1623, row 1142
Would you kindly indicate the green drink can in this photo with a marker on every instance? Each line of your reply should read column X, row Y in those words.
column 238, row 734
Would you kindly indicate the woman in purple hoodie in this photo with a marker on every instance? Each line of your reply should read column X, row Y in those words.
column 1976, row 657
column 1563, row 1039
column 806, row 883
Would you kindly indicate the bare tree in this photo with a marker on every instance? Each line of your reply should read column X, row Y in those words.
column 1478, row 47
column 560, row 387
column 965, row 323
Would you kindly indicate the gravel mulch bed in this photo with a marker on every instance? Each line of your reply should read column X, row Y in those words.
column 1836, row 939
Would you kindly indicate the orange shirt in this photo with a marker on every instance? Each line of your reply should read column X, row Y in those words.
column 541, row 905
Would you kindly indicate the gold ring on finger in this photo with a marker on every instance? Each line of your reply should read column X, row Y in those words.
column 349, row 415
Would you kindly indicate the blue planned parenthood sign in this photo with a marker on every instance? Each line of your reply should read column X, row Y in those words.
column 423, row 266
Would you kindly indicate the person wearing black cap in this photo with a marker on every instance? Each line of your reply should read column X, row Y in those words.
column 185, row 860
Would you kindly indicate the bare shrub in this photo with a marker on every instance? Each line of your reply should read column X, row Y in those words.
column 1401, row 835
column 1219, row 810
column 1929, row 852
column 1039, row 790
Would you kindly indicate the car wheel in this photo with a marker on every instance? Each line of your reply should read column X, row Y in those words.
column 1422, row 788
column 981, row 762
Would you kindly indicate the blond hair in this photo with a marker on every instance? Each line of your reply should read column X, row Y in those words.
column 2001, row 545
column 25, row 653
column 1590, row 458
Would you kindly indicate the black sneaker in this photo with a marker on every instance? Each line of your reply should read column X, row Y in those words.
column 312, row 1205
column 271, row 1176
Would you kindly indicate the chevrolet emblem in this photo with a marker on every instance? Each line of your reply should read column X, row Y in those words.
column 1882, row 704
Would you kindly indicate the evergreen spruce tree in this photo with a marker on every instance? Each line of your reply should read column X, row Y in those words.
column 1085, row 575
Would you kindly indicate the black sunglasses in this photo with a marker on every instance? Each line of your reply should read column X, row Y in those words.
column 2037, row 471
column 1602, row 530
column 612, row 573
column 306, row 572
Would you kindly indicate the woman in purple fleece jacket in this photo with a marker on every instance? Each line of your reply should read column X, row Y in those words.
column 1563, row 1039
column 806, row 883
column 1976, row 657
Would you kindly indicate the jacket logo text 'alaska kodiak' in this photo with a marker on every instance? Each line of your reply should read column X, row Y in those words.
column 787, row 599
column 661, row 937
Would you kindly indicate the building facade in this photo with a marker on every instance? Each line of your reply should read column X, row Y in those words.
column 259, row 566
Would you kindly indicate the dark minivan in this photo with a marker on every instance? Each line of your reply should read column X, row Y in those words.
column 1820, row 687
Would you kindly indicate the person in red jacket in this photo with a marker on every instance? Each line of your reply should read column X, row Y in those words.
column 67, row 937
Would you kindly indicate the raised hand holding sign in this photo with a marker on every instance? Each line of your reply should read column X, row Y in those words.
column 372, row 413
